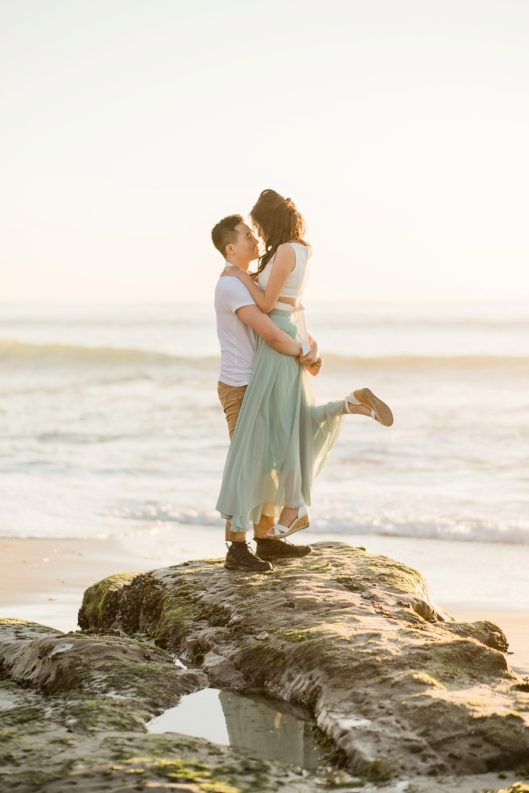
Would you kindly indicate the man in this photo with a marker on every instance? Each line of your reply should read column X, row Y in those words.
column 238, row 319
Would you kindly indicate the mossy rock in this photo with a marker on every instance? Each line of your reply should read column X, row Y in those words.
column 350, row 635
column 101, row 601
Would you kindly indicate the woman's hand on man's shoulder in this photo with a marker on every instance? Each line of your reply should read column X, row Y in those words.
column 232, row 272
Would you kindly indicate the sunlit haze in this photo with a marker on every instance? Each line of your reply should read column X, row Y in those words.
column 127, row 129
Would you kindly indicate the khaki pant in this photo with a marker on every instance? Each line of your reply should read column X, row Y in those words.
column 231, row 397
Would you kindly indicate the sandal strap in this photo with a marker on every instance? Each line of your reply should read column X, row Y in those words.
column 350, row 399
column 278, row 531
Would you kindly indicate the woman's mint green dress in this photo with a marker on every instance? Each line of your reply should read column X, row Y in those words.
column 282, row 439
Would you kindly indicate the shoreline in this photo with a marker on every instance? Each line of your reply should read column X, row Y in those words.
column 44, row 579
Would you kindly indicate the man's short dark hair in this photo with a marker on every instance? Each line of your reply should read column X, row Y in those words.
column 224, row 232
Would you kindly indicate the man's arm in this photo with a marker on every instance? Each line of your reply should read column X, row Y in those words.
column 264, row 327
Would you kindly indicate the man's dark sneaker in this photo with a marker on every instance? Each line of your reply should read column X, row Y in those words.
column 241, row 557
column 273, row 550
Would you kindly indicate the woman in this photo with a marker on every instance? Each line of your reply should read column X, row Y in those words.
column 282, row 439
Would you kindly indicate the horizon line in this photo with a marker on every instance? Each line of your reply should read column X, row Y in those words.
column 208, row 302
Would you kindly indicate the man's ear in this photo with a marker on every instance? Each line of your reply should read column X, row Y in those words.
column 229, row 249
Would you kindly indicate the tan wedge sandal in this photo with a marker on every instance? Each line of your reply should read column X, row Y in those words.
column 379, row 410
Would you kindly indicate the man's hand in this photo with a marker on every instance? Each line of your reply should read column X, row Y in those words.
column 315, row 368
column 312, row 360
column 311, row 357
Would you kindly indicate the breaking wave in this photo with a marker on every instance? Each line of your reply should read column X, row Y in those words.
column 19, row 353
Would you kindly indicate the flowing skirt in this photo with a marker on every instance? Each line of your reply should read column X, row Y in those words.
column 281, row 440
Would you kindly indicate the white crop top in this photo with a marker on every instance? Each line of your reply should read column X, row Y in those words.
column 295, row 283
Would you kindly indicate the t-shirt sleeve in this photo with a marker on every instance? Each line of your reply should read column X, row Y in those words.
column 234, row 294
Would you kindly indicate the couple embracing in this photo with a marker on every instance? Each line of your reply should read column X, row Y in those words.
column 280, row 438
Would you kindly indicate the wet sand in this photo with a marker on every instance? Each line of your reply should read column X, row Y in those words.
column 44, row 579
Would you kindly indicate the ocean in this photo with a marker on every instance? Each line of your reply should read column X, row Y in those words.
column 110, row 422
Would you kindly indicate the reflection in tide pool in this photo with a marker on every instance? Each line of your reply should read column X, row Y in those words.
column 247, row 724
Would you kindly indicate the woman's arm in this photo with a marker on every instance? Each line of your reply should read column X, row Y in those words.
column 265, row 299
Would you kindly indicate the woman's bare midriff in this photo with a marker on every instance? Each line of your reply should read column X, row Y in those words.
column 290, row 300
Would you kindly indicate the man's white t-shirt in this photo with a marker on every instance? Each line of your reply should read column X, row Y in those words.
column 237, row 340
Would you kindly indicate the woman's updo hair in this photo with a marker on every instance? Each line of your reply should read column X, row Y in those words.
column 280, row 222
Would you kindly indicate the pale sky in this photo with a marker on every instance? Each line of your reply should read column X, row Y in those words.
column 128, row 128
